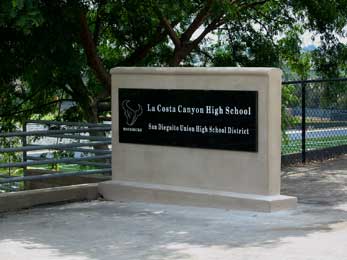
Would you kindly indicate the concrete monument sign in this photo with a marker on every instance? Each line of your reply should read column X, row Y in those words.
column 197, row 136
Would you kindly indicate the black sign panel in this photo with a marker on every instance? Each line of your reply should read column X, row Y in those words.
column 192, row 118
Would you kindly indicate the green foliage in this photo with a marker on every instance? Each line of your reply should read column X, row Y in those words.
column 331, row 61
column 23, row 14
column 247, row 51
column 299, row 62
column 324, row 16
column 289, row 99
column 73, row 114
column 10, row 157
column 47, row 55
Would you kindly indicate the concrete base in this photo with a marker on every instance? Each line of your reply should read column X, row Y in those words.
column 27, row 199
column 167, row 194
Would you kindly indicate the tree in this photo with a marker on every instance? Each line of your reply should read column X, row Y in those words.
column 57, row 50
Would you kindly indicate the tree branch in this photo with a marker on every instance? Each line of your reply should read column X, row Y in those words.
column 93, row 59
column 28, row 98
column 67, row 89
column 172, row 34
column 79, row 91
column 141, row 52
column 33, row 109
column 81, row 95
column 99, row 13
column 253, row 4
column 205, row 53
column 198, row 21
column 212, row 26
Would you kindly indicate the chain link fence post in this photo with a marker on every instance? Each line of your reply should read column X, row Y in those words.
column 303, row 122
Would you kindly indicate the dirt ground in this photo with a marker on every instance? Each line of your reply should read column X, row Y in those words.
column 322, row 183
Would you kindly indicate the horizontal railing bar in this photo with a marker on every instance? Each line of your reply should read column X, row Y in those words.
column 85, row 150
column 54, row 175
column 96, row 164
column 81, row 137
column 49, row 161
column 38, row 171
column 38, row 159
column 51, row 146
column 47, row 122
column 48, row 132
column 312, row 81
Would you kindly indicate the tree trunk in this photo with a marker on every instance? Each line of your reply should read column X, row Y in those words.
column 180, row 53
column 93, row 59
column 89, row 105
column 90, row 111
column 91, row 115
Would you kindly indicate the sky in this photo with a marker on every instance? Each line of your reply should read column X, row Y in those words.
column 307, row 39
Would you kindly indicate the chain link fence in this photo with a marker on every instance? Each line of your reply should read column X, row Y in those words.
column 314, row 125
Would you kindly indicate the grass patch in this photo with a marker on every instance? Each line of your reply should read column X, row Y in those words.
column 313, row 144
column 64, row 167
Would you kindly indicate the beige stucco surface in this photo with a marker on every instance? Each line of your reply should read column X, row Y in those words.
column 256, row 173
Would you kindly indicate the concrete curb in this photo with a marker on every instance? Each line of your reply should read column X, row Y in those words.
column 127, row 191
column 26, row 199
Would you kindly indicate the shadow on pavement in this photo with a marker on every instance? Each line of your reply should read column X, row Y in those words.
column 111, row 230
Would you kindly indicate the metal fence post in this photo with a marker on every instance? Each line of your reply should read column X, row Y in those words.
column 303, row 122
column 24, row 143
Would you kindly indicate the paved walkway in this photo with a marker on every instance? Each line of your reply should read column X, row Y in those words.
column 108, row 230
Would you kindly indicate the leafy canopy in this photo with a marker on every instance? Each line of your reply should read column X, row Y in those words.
column 52, row 51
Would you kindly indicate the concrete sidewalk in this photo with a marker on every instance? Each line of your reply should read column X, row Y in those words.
column 109, row 230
